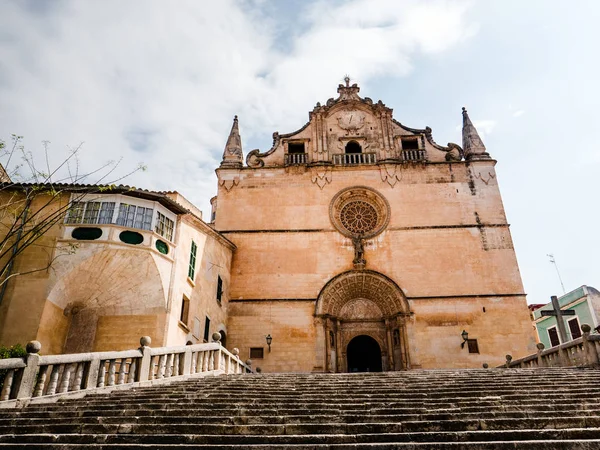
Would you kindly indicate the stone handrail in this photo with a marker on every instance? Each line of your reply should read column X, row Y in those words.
column 580, row 352
column 34, row 377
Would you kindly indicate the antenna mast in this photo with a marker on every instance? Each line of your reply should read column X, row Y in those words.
column 553, row 261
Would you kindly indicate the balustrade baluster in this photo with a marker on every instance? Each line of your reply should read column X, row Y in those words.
column 8, row 382
column 205, row 358
column 161, row 366
column 102, row 373
column 112, row 369
column 122, row 371
column 78, row 376
column 169, row 368
column 195, row 358
column 176, row 365
column 211, row 360
column 132, row 369
column 41, row 380
column 53, row 380
column 65, row 379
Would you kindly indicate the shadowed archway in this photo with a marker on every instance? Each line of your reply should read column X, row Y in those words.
column 364, row 354
column 362, row 302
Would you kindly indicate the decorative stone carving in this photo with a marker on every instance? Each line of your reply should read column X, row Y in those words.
column 255, row 157
column 390, row 173
column 359, row 253
column 359, row 212
column 321, row 175
column 360, row 309
column 363, row 284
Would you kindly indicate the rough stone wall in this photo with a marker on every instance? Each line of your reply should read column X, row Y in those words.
column 447, row 246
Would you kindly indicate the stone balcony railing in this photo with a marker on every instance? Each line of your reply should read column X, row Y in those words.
column 580, row 352
column 349, row 159
column 294, row 159
column 413, row 156
column 42, row 379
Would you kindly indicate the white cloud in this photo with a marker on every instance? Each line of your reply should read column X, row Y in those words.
column 150, row 82
column 518, row 113
column 484, row 127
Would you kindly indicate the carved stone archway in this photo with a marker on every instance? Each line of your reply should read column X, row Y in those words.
column 361, row 302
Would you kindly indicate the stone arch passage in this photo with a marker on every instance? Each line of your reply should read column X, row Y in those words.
column 362, row 302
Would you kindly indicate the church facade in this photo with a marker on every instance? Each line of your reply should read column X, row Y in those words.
column 357, row 235
column 355, row 243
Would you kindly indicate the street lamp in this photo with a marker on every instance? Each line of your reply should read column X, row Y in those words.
column 269, row 340
column 465, row 337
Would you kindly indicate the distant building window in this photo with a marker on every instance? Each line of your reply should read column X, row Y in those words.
column 185, row 310
column 164, row 226
column 575, row 328
column 219, row 289
column 206, row 329
column 553, row 335
column 296, row 148
column 257, row 353
column 192, row 266
column 410, row 143
column 473, row 346
column 90, row 212
column 135, row 216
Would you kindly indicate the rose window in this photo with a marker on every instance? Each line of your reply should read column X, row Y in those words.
column 358, row 217
column 359, row 212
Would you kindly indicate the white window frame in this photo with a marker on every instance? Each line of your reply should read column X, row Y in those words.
column 118, row 200
column 557, row 335
column 575, row 317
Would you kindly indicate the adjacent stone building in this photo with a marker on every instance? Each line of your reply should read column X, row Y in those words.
column 355, row 243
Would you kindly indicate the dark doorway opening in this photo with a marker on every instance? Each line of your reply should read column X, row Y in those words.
column 223, row 338
column 353, row 147
column 364, row 355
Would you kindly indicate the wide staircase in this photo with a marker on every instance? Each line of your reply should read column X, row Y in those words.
column 433, row 409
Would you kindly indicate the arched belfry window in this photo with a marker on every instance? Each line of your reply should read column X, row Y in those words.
column 353, row 147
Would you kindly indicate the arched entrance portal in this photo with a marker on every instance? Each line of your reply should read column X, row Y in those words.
column 366, row 304
column 364, row 355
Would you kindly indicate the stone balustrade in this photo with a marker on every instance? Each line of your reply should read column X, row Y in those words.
column 292, row 159
column 348, row 159
column 36, row 378
column 580, row 352
column 413, row 155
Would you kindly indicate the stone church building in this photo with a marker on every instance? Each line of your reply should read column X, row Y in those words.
column 355, row 243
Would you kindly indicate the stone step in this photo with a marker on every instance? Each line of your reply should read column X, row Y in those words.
column 266, row 419
column 304, row 428
column 524, row 435
column 372, row 394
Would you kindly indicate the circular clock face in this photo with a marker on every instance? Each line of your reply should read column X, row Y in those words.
column 351, row 120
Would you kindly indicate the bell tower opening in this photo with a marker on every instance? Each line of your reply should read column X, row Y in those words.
column 364, row 355
column 353, row 148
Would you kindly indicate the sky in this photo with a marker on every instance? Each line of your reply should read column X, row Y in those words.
column 158, row 83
